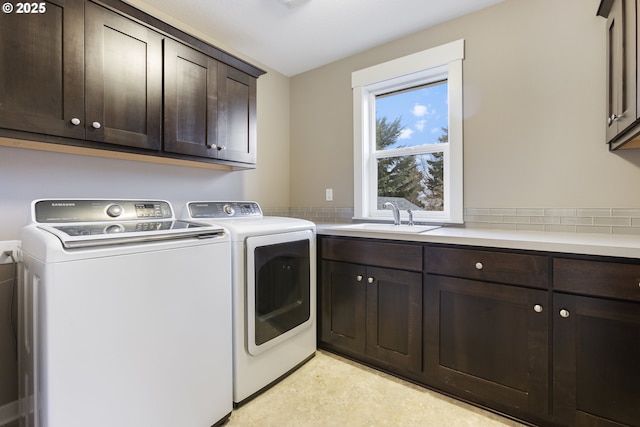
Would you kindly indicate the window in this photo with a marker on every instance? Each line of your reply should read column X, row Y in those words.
column 408, row 136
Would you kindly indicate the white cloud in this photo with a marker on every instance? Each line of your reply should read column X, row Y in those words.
column 405, row 133
column 420, row 125
column 419, row 110
column 435, row 130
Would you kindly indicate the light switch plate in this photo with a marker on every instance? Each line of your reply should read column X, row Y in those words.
column 329, row 194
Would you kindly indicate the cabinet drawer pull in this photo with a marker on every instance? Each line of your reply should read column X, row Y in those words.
column 359, row 278
column 96, row 125
column 75, row 121
column 564, row 313
column 537, row 308
column 614, row 118
column 479, row 266
column 370, row 280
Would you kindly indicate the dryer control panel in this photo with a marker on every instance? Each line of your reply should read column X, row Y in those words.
column 224, row 209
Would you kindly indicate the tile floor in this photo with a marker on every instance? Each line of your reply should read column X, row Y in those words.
column 332, row 391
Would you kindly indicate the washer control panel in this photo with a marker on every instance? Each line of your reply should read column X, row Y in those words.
column 224, row 209
column 82, row 210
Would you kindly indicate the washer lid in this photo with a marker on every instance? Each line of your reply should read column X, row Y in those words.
column 79, row 223
column 84, row 235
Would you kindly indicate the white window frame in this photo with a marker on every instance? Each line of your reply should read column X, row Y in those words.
column 431, row 65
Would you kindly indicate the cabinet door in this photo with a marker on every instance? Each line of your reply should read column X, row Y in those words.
column 621, row 67
column 123, row 80
column 343, row 321
column 596, row 349
column 236, row 115
column 488, row 343
column 42, row 70
column 394, row 318
column 190, row 101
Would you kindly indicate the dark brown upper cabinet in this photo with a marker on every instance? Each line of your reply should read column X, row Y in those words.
column 123, row 80
column 236, row 115
column 622, row 120
column 94, row 74
column 42, row 70
column 190, row 101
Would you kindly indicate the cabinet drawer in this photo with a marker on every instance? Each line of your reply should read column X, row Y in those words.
column 517, row 269
column 604, row 279
column 400, row 256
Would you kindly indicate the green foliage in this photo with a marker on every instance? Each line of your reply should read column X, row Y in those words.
column 433, row 179
column 397, row 176
column 418, row 179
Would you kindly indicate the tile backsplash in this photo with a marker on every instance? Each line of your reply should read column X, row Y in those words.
column 317, row 215
column 572, row 220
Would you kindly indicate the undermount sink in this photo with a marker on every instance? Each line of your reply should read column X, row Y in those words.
column 389, row 228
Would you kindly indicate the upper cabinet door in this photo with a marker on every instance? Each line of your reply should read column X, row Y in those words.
column 123, row 80
column 190, row 101
column 236, row 115
column 622, row 81
column 42, row 70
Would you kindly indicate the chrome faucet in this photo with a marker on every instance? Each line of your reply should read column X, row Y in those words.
column 410, row 217
column 396, row 212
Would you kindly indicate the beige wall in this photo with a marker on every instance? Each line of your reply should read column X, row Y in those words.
column 269, row 182
column 534, row 82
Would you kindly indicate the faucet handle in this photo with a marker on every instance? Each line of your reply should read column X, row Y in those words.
column 410, row 217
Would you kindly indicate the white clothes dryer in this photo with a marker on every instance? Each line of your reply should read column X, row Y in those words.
column 274, row 292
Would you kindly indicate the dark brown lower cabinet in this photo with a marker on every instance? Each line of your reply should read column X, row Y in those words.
column 550, row 339
column 488, row 343
column 596, row 359
column 373, row 313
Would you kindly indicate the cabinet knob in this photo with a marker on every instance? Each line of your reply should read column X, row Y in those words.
column 370, row 280
column 211, row 146
column 564, row 313
column 222, row 147
column 537, row 308
column 96, row 125
column 75, row 121
column 479, row 266
column 359, row 278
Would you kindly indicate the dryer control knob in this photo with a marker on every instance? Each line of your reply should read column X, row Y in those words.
column 228, row 209
column 114, row 211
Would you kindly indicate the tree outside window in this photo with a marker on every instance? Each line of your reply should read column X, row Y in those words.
column 410, row 166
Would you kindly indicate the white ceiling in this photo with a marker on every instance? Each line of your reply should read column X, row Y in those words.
column 298, row 35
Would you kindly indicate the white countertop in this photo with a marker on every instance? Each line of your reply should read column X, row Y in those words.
column 616, row 245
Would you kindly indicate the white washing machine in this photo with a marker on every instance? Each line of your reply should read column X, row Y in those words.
column 125, row 317
column 274, row 292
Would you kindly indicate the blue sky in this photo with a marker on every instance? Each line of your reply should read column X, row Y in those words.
column 423, row 112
